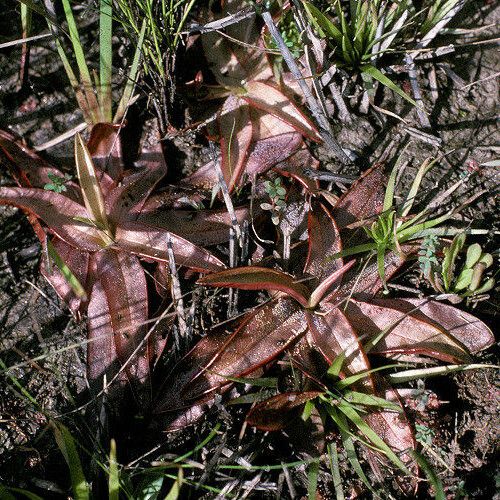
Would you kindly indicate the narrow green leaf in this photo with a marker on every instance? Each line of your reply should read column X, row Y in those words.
column 412, row 193
column 346, row 382
column 431, row 475
column 271, row 382
column 91, row 188
column 132, row 77
column 323, row 24
column 105, row 58
column 360, row 398
column 384, row 80
column 199, row 446
column 67, row 446
column 175, row 490
column 114, row 476
column 312, row 479
column 86, row 80
column 70, row 278
column 450, row 256
column 336, row 366
column 334, row 467
column 354, row 417
column 5, row 495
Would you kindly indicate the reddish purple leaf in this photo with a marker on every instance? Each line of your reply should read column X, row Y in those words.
column 277, row 412
column 363, row 200
column 367, row 283
column 332, row 335
column 152, row 243
column 259, row 339
column 58, row 212
column 126, row 201
column 125, row 304
column 393, row 427
column 102, row 360
column 201, row 227
column 236, row 132
column 78, row 263
column 407, row 335
column 294, row 167
column 267, row 97
column 466, row 328
column 324, row 240
column 258, row 278
column 28, row 168
column 105, row 148
column 264, row 153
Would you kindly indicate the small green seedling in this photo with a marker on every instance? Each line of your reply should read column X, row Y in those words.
column 466, row 281
column 57, row 184
column 277, row 194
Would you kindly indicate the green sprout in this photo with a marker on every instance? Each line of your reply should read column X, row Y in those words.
column 462, row 281
column 57, row 184
column 277, row 194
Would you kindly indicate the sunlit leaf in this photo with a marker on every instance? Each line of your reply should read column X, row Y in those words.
column 269, row 98
column 58, row 212
column 406, row 334
column 258, row 278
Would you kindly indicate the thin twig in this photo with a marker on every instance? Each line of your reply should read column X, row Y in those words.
column 417, row 95
column 220, row 23
column 225, row 193
column 176, row 289
column 322, row 121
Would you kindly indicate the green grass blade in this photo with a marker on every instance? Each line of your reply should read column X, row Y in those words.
column 356, row 419
column 334, row 468
column 431, row 475
column 365, row 247
column 114, row 475
column 389, row 191
column 5, row 494
column 105, row 58
column 322, row 23
column 336, row 366
column 412, row 193
column 175, row 490
column 132, row 77
column 361, row 398
column 199, row 446
column 348, row 443
column 67, row 445
column 86, row 80
column 384, row 80
column 346, row 382
column 407, row 233
column 70, row 278
column 312, row 479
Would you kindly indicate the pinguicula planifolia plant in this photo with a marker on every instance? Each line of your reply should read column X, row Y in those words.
column 258, row 124
column 92, row 230
column 329, row 307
